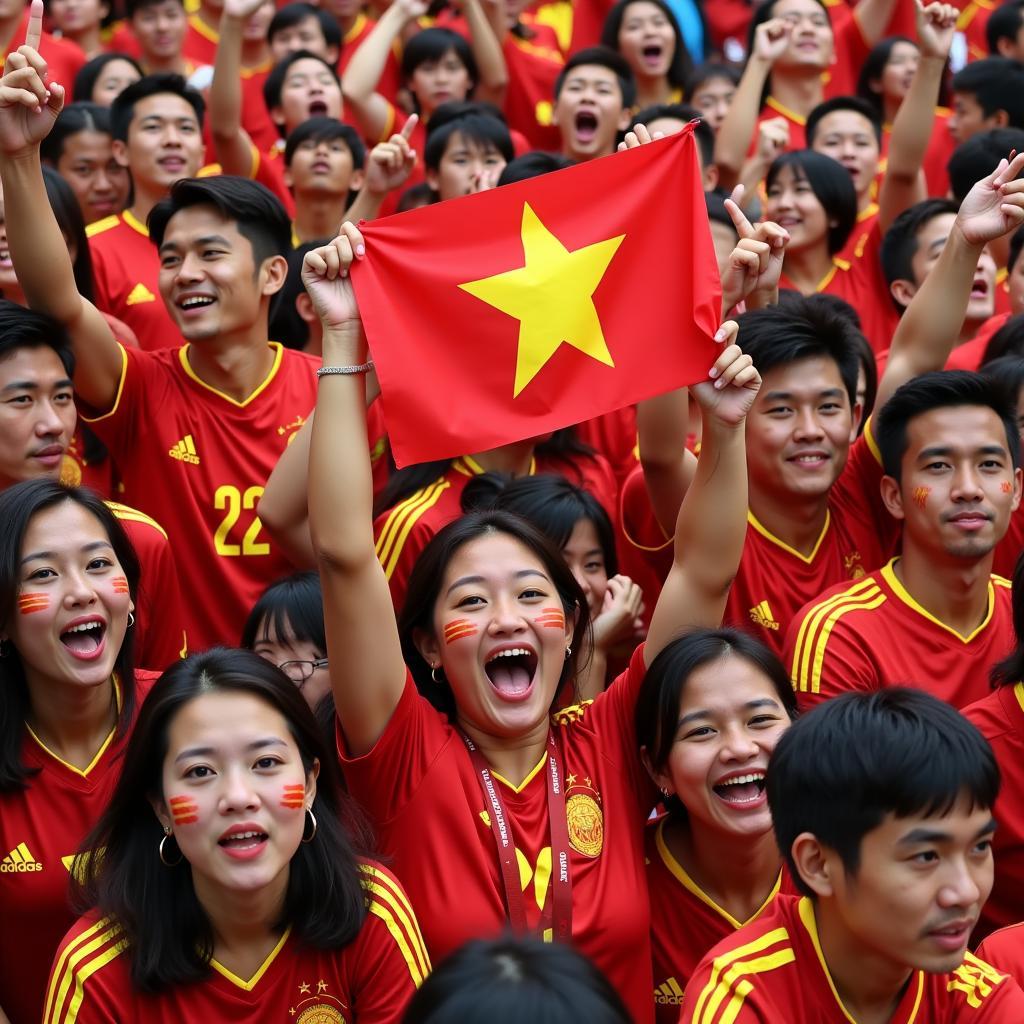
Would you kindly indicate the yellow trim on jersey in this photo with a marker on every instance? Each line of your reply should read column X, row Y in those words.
column 869, row 440
column 120, row 390
column 727, row 971
column 353, row 32
column 805, row 908
column 134, row 223
column 97, row 227
column 1018, row 692
column 83, row 772
column 529, row 778
column 248, row 986
column 128, row 514
column 388, row 903
column 203, row 29
column 817, row 626
column 278, row 356
column 889, row 575
column 768, row 535
column 69, row 970
column 401, row 520
column 687, row 882
column 785, row 111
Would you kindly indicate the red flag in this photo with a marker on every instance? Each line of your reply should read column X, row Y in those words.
column 520, row 310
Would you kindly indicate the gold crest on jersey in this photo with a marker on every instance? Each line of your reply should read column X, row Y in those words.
column 584, row 818
column 316, row 1005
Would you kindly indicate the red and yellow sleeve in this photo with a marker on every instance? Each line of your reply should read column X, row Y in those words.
column 83, row 986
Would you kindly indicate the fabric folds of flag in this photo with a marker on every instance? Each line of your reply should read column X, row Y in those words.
column 511, row 313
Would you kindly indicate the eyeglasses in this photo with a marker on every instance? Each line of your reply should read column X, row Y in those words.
column 301, row 670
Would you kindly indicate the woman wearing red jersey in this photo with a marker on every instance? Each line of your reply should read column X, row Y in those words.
column 230, row 887
column 493, row 813
column 711, row 709
column 68, row 576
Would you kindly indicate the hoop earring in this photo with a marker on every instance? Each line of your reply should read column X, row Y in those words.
column 131, row 620
column 433, row 675
column 163, row 857
column 312, row 835
column 568, row 652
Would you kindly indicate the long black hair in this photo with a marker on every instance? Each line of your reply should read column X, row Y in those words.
column 682, row 64
column 169, row 933
column 19, row 505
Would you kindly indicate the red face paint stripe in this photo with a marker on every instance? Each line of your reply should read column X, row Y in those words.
column 180, row 800
column 28, row 603
column 120, row 585
column 185, row 819
column 1006, row 486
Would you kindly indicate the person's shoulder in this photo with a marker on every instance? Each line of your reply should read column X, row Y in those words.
column 90, row 956
column 981, row 991
column 388, row 905
column 993, row 714
column 137, row 524
column 844, row 599
column 298, row 358
column 102, row 227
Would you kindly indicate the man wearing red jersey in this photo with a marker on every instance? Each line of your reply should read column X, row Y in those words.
column 882, row 806
column 195, row 431
column 593, row 96
column 157, row 129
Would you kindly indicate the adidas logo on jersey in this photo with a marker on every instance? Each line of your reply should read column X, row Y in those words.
column 761, row 615
column 669, row 993
column 140, row 293
column 19, row 860
column 185, row 451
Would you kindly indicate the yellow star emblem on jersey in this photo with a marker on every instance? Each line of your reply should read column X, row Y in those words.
column 551, row 296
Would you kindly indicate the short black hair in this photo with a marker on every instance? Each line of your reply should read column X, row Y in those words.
column 705, row 73
column 899, row 244
column 533, row 165
column 259, row 214
column 431, row 44
column 90, row 71
column 509, row 980
column 274, row 83
column 1004, row 23
column 996, row 83
column 292, row 604
column 84, row 116
column 123, row 108
column 702, row 131
column 326, row 129
column 478, row 123
column 801, row 329
column 845, row 766
column 851, row 103
column 1006, row 374
column 21, row 327
column 979, row 156
column 602, row 57
column 831, row 184
column 939, row 389
column 293, row 14
column 133, row 6
column 1008, row 340
column 681, row 67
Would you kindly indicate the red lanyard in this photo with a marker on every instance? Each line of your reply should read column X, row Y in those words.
column 559, row 907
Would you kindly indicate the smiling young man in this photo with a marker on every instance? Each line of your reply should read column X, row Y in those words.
column 157, row 129
column 593, row 97
column 882, row 806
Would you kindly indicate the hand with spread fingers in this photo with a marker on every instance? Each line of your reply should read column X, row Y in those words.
column 733, row 382
column 995, row 206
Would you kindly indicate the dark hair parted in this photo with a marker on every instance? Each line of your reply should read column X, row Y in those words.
column 979, row 156
column 899, row 243
column 257, row 212
column 533, row 165
column 169, row 933
column 294, row 14
column 1010, row 670
column 510, row 980
column 842, row 768
column 602, row 57
column 800, row 329
column 122, row 110
column 681, row 66
column 274, row 83
column 430, row 45
column 702, row 131
column 19, row 505
column 832, row 186
column 89, row 74
column 478, row 123
column 84, row 116
column 326, row 129
column 291, row 605
column 548, row 501
column 657, row 705
column 941, row 389
column 854, row 104
column 996, row 83
column 425, row 581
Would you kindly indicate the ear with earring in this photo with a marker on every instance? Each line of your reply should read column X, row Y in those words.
column 162, row 851
column 433, row 674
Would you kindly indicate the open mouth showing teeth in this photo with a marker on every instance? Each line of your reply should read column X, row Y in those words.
column 586, row 124
column 85, row 638
column 743, row 789
column 195, row 302
column 242, row 840
column 511, row 671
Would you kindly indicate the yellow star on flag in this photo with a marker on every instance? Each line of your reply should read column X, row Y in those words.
column 551, row 296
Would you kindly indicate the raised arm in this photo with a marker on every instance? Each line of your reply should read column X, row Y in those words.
column 359, row 83
column 230, row 140
column 873, row 17
column 903, row 184
column 931, row 324
column 387, row 167
column 712, row 522
column 487, row 52
column 283, row 508
column 366, row 665
column 770, row 42
column 39, row 252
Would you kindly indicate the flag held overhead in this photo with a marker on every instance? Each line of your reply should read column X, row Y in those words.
column 515, row 312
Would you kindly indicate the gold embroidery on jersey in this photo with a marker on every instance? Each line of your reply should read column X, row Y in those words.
column 139, row 294
column 976, row 979
column 585, row 819
column 70, row 472
column 318, row 1007
column 761, row 615
column 852, row 564
column 19, row 861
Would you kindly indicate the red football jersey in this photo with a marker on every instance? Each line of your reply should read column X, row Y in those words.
column 41, row 829
column 63, row 58
column 1000, row 718
column 268, row 169
column 1004, row 950
column 369, row 981
column 872, row 633
column 1009, row 548
column 613, row 434
column 685, row 922
column 126, row 271
column 773, row 970
column 968, row 356
column 420, row 788
column 940, row 148
column 391, row 78
column 529, row 100
column 199, row 460
column 200, row 43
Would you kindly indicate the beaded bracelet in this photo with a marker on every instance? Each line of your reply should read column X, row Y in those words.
column 362, row 368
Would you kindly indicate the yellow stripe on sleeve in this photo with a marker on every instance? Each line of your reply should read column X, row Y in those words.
column 817, row 659
column 734, row 986
column 68, row 969
column 722, row 963
column 386, row 901
column 401, row 521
